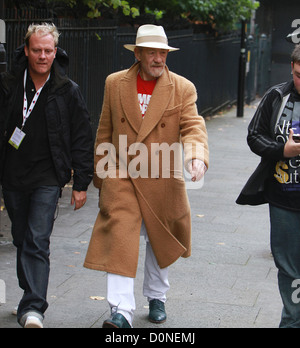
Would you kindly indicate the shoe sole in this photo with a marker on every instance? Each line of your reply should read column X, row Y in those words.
column 109, row 326
column 157, row 322
column 33, row 325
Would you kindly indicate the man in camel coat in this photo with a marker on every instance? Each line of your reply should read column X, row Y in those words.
column 147, row 111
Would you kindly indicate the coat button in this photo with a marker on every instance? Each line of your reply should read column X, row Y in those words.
column 163, row 125
column 123, row 120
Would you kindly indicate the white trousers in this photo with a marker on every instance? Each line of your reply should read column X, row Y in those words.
column 120, row 289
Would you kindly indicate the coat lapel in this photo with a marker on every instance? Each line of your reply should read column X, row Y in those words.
column 158, row 104
column 129, row 98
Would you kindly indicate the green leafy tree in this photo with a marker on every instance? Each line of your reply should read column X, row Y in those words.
column 96, row 5
column 94, row 8
column 218, row 15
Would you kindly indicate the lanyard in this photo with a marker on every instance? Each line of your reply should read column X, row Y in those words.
column 27, row 112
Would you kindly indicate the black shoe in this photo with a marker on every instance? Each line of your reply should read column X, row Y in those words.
column 157, row 312
column 117, row 321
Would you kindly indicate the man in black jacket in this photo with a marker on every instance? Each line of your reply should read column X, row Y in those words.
column 45, row 134
column 274, row 135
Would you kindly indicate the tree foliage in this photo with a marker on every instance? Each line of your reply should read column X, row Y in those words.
column 96, row 5
column 218, row 15
column 94, row 8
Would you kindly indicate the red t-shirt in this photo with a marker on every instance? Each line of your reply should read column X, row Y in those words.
column 145, row 90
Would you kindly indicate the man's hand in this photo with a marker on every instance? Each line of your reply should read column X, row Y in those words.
column 197, row 169
column 79, row 199
column 291, row 148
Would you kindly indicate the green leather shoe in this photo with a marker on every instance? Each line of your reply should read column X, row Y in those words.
column 117, row 321
column 157, row 312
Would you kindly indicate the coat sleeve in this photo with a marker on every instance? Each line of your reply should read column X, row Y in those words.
column 104, row 132
column 82, row 142
column 192, row 128
column 2, row 130
column 260, row 139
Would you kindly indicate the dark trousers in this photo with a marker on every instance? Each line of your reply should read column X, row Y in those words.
column 32, row 216
column 285, row 243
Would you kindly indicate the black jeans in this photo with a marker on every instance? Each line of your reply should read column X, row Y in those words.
column 285, row 242
column 32, row 216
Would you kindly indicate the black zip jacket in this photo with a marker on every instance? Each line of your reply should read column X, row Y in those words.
column 67, row 117
column 261, row 140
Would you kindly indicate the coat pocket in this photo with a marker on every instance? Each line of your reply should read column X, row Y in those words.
column 108, row 196
column 176, row 199
column 173, row 111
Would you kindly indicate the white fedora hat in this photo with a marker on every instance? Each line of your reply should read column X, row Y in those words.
column 151, row 36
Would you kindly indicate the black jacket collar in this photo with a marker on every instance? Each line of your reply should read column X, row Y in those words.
column 20, row 63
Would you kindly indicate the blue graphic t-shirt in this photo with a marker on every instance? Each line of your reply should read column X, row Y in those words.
column 283, row 187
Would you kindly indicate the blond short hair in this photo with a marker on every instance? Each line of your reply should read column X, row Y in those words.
column 43, row 30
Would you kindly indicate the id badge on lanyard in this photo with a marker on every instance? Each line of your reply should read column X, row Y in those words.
column 18, row 134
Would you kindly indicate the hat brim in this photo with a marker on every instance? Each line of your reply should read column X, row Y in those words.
column 152, row 45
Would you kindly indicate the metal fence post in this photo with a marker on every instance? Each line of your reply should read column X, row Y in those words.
column 2, row 69
column 264, row 64
column 2, row 49
column 242, row 72
column 251, row 69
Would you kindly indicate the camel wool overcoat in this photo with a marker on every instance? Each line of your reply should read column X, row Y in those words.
column 149, row 195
